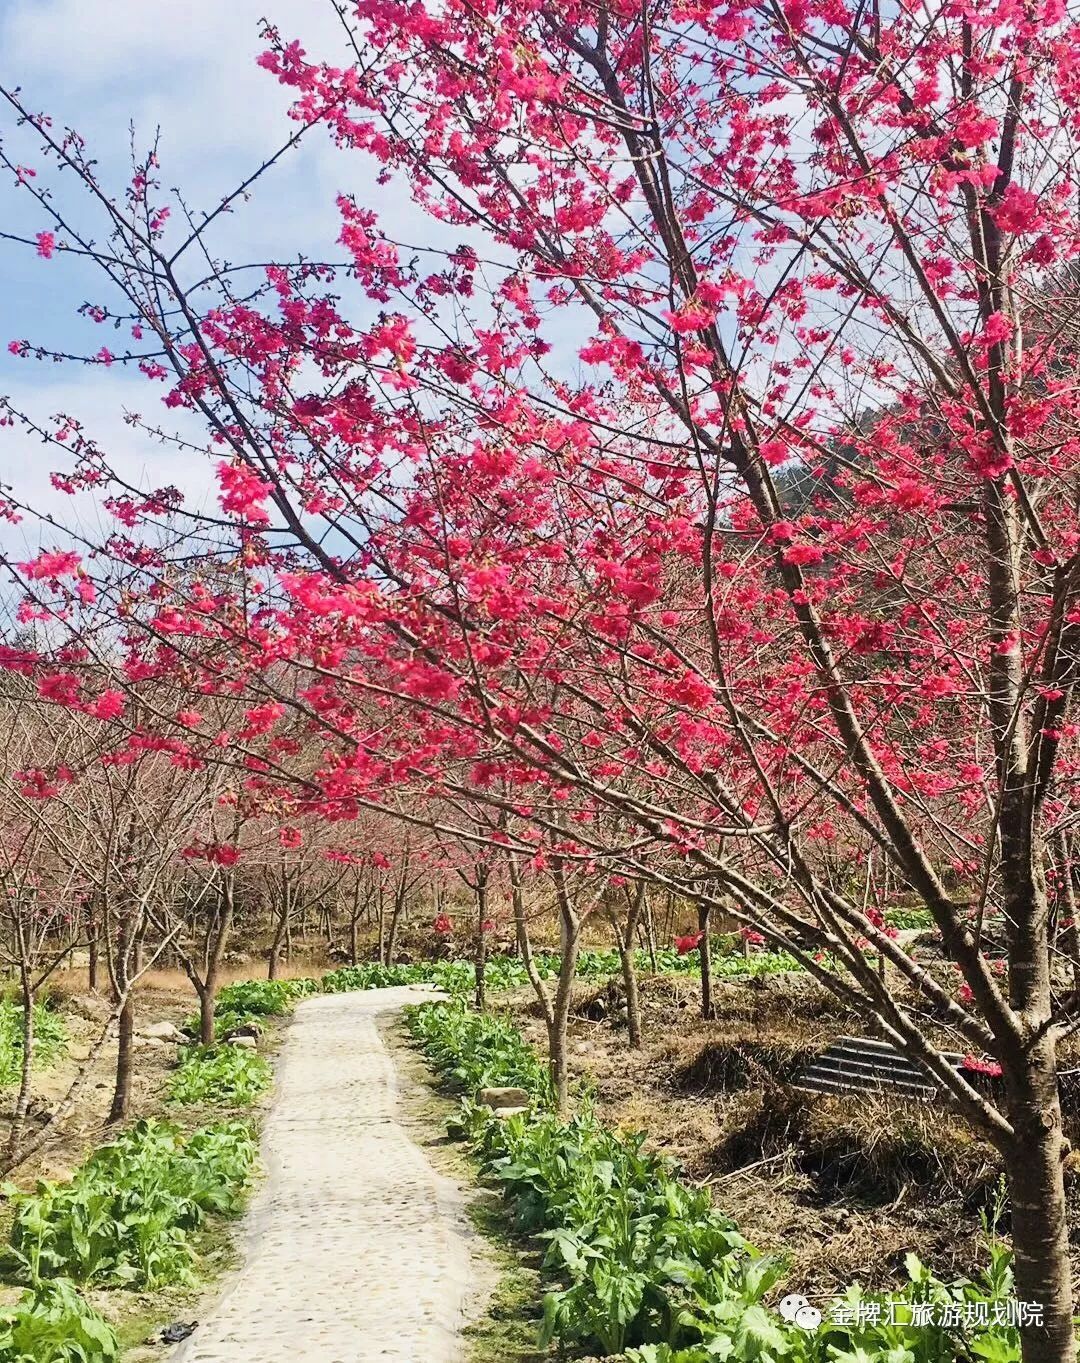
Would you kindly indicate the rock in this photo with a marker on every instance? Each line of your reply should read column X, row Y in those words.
column 92, row 1007
column 163, row 1031
column 246, row 1043
column 497, row 1099
column 505, row 1112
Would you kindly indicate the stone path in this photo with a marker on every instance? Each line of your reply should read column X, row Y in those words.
column 358, row 1251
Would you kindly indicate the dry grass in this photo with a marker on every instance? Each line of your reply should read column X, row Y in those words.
column 76, row 981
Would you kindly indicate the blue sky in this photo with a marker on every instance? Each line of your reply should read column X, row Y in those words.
column 188, row 69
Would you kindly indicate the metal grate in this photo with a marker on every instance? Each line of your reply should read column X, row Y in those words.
column 860, row 1064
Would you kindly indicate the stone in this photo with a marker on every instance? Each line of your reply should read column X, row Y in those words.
column 246, row 1043
column 163, row 1031
column 57, row 1173
column 501, row 1098
column 92, row 1007
column 503, row 1113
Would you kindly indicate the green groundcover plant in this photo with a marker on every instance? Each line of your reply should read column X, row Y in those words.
column 52, row 1323
column 224, row 1076
column 252, row 1001
column 641, row 1263
column 128, row 1216
column 50, row 1039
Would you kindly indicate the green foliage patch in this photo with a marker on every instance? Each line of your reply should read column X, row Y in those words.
column 53, row 1324
column 225, row 1076
column 128, row 1216
column 50, row 1040
column 907, row 919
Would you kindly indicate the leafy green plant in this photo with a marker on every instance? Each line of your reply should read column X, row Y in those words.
column 53, row 1324
column 127, row 1216
column 477, row 1050
column 50, row 1039
column 250, row 1001
column 226, row 1076
column 908, row 919
column 643, row 1263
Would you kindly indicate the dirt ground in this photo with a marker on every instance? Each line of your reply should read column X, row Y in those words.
column 844, row 1186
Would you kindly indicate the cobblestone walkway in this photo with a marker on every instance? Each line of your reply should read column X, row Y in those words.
column 357, row 1250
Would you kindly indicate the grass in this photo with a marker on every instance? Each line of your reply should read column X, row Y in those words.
column 507, row 1331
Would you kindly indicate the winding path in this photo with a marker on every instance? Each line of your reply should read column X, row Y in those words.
column 358, row 1251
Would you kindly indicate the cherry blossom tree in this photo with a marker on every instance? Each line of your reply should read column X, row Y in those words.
column 780, row 567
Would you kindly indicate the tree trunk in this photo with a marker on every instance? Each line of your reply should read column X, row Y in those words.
column 570, row 936
column 560, row 1075
column 221, row 928
column 395, row 919
column 207, row 1011
column 121, row 1102
column 708, row 1008
column 354, row 947
column 22, row 1102
column 1040, row 1230
column 625, row 937
column 278, row 942
column 524, row 946
column 93, row 956
column 650, row 935
column 480, row 961
column 633, row 999
column 382, row 927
